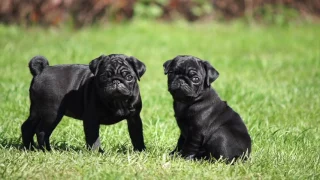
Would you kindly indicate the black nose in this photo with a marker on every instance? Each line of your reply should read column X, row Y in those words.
column 116, row 82
column 182, row 82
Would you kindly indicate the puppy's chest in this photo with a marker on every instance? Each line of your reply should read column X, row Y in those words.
column 185, row 119
column 121, row 107
column 108, row 118
column 184, row 113
column 115, row 111
column 192, row 118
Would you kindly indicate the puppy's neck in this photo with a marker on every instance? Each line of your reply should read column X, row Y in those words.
column 207, row 94
column 208, row 99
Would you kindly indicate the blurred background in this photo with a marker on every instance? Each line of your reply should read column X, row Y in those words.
column 266, row 51
column 79, row 13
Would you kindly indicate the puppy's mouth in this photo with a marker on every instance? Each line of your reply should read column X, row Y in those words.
column 116, row 91
column 181, row 92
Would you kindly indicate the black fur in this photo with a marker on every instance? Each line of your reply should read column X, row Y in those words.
column 105, row 92
column 37, row 64
column 209, row 127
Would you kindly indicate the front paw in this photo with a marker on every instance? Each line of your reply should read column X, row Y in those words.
column 189, row 157
column 175, row 153
column 101, row 151
column 142, row 148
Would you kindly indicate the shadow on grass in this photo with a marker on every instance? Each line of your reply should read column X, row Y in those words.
column 59, row 146
column 120, row 148
column 11, row 144
column 64, row 146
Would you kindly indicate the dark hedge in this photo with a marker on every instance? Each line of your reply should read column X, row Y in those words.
column 85, row 12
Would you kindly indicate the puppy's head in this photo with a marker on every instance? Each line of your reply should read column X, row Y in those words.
column 116, row 75
column 188, row 77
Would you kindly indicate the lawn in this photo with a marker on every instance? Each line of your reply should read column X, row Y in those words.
column 269, row 75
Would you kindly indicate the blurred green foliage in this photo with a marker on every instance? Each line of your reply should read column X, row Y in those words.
column 279, row 14
column 87, row 12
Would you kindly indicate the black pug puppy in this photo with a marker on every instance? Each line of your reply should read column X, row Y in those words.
column 105, row 92
column 208, row 126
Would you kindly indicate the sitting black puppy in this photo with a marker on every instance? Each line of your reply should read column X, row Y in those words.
column 105, row 92
column 208, row 126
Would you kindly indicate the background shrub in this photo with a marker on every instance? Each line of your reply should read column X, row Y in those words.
column 85, row 12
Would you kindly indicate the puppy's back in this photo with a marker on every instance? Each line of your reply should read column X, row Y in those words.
column 61, row 77
column 234, row 123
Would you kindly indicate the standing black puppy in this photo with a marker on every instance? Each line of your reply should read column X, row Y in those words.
column 209, row 127
column 105, row 92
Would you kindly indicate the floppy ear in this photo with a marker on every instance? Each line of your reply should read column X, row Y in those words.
column 166, row 66
column 211, row 73
column 94, row 64
column 138, row 66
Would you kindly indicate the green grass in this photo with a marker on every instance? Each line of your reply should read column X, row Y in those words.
column 269, row 75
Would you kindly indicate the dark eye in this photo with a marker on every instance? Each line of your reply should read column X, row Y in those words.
column 109, row 74
column 104, row 78
column 195, row 79
column 129, row 77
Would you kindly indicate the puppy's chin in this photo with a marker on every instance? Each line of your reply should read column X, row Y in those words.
column 183, row 95
column 117, row 100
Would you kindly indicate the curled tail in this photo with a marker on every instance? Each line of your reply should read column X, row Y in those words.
column 37, row 64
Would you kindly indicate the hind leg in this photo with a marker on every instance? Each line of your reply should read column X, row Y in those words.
column 28, row 131
column 45, row 128
column 225, row 145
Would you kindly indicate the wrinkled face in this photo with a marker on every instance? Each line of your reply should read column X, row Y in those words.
column 188, row 76
column 116, row 76
column 116, row 79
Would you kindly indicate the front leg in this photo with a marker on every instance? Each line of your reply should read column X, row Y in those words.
column 136, row 132
column 91, row 131
column 180, row 143
column 192, row 144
